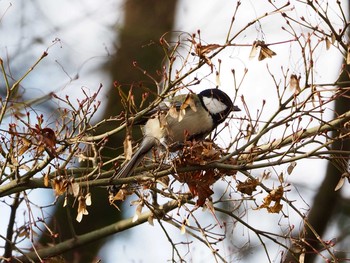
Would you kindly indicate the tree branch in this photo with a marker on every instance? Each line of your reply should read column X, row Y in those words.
column 92, row 236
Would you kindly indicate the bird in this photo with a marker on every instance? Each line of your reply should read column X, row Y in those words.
column 184, row 117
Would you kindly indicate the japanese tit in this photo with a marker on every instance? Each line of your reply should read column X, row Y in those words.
column 184, row 117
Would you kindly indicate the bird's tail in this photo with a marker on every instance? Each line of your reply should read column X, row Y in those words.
column 146, row 145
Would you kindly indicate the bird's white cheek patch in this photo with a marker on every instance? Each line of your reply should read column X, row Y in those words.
column 214, row 106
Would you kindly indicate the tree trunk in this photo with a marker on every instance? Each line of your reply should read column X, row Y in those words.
column 326, row 200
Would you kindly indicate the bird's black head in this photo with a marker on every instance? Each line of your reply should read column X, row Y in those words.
column 217, row 103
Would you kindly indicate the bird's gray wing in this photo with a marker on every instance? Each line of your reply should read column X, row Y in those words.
column 146, row 145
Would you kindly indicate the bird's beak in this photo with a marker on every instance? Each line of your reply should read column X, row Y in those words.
column 235, row 108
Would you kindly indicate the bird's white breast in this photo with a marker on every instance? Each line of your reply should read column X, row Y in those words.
column 155, row 127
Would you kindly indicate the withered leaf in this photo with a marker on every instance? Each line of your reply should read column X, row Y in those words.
column 333, row 37
column 83, row 201
column 248, row 186
column 59, row 185
column 294, row 83
column 201, row 181
column 291, row 167
column 120, row 196
column 127, row 147
column 202, row 50
column 274, row 196
column 138, row 212
column 265, row 52
column 328, row 43
column 254, row 50
column 183, row 229
column 342, row 181
column 26, row 144
column 150, row 220
column 340, row 184
column 46, row 179
column 49, row 137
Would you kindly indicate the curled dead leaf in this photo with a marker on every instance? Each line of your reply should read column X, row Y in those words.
column 200, row 181
column 150, row 220
column 127, row 147
column 138, row 212
column 26, row 144
column 83, row 202
column 254, row 50
column 328, row 43
column 59, row 185
column 291, row 167
column 342, row 181
column 294, row 83
column 248, row 186
column 265, row 51
column 120, row 195
column 274, row 196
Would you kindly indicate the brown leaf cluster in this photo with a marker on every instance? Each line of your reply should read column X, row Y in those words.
column 119, row 194
column 62, row 185
column 274, row 196
column 265, row 51
column 43, row 139
column 83, row 202
column 248, row 186
column 200, row 181
column 203, row 51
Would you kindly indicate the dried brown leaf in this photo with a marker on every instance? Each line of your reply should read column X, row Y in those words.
column 59, row 185
column 120, row 196
column 254, row 50
column 274, row 196
column 46, row 179
column 127, row 147
column 333, row 38
column 248, row 186
column 342, row 181
column 203, row 50
column 150, row 220
column 49, row 137
column 340, row 184
column 81, row 208
column 328, row 43
column 183, row 229
column 294, row 83
column 291, row 167
column 26, row 144
column 138, row 212
column 265, row 52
